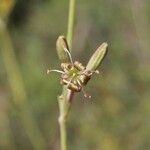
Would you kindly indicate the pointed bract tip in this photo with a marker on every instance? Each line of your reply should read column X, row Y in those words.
column 61, row 37
column 105, row 44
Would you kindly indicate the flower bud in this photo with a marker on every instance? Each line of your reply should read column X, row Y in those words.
column 61, row 46
column 97, row 57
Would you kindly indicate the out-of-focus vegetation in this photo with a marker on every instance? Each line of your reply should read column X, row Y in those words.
column 117, row 116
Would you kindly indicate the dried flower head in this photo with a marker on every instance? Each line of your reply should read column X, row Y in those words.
column 73, row 74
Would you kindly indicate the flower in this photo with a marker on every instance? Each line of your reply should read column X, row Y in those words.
column 73, row 74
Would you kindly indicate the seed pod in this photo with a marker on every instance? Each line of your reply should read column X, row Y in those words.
column 61, row 46
column 97, row 57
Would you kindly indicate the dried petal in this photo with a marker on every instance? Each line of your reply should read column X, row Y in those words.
column 97, row 57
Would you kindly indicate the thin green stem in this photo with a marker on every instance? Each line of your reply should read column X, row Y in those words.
column 62, row 123
column 63, row 135
column 71, row 22
column 65, row 99
column 64, row 106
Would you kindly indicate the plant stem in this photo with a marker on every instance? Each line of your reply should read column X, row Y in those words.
column 71, row 22
column 64, row 106
column 62, row 123
column 65, row 99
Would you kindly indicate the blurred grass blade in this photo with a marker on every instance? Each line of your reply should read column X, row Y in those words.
column 97, row 57
column 62, row 46
column 18, row 90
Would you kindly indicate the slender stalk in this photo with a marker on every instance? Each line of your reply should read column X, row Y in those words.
column 71, row 22
column 65, row 99
column 64, row 102
column 62, row 123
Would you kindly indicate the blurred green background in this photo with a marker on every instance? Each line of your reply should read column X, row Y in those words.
column 117, row 117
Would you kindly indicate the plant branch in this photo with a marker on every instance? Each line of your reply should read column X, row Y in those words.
column 71, row 19
column 66, row 97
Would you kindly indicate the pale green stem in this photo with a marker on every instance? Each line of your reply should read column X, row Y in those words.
column 17, row 87
column 65, row 99
column 64, row 106
column 71, row 22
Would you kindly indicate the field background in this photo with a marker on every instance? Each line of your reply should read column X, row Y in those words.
column 117, row 115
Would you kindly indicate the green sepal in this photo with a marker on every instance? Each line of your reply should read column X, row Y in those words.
column 61, row 45
column 97, row 57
